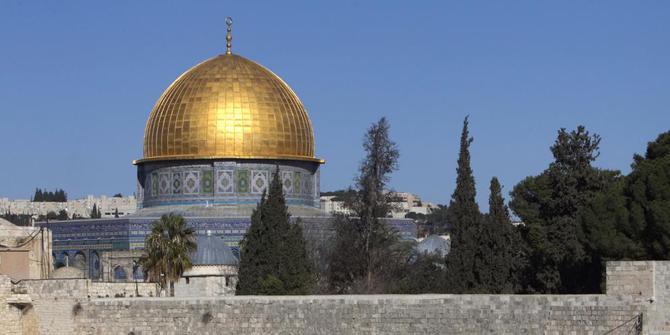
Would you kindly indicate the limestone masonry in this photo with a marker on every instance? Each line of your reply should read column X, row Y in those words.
column 637, row 299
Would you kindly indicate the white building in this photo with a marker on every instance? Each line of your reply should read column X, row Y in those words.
column 108, row 206
column 404, row 203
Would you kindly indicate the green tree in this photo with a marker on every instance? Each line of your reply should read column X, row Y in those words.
column 549, row 205
column 363, row 247
column 95, row 212
column 425, row 274
column 500, row 259
column 273, row 258
column 62, row 215
column 631, row 220
column 167, row 251
column 648, row 193
column 465, row 220
column 438, row 219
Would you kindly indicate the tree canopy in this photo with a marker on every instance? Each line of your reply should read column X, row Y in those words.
column 167, row 251
column 363, row 254
column 49, row 196
column 273, row 258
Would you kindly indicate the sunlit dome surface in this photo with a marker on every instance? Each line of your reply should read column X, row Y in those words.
column 228, row 107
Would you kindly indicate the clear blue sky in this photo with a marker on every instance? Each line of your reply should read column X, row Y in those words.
column 78, row 79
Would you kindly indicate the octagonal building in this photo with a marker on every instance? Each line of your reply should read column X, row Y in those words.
column 212, row 143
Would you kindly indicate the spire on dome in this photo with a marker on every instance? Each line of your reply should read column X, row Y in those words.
column 229, row 37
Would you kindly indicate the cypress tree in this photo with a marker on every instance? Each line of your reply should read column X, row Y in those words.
column 498, row 211
column 95, row 212
column 465, row 220
column 500, row 258
column 362, row 252
column 273, row 258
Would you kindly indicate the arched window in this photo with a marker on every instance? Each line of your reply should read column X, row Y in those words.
column 120, row 273
column 79, row 260
column 138, row 273
column 95, row 265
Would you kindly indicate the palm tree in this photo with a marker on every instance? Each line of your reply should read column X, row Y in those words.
column 167, row 250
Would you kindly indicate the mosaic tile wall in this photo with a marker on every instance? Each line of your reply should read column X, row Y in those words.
column 225, row 182
column 90, row 237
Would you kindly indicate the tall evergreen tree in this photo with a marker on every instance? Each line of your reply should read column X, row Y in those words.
column 273, row 258
column 549, row 205
column 365, row 232
column 499, row 261
column 465, row 220
column 95, row 212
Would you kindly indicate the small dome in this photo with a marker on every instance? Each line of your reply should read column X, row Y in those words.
column 228, row 107
column 212, row 250
column 434, row 244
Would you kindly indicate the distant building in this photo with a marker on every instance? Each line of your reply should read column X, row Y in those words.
column 403, row 204
column 25, row 252
column 108, row 206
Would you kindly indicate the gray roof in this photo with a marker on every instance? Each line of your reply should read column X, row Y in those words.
column 212, row 250
column 434, row 244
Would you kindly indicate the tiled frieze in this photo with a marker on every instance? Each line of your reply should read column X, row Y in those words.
column 176, row 183
column 259, row 181
column 192, row 182
column 297, row 182
column 207, row 182
column 226, row 183
column 164, row 183
column 242, row 181
column 287, row 181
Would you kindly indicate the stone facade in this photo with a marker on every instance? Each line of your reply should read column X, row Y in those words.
column 25, row 252
column 51, row 306
column 206, row 286
column 81, row 207
column 639, row 291
column 83, row 242
column 403, row 204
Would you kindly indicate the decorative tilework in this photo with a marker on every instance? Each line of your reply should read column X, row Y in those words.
column 224, row 181
column 154, row 184
column 176, row 183
column 164, row 183
column 297, row 182
column 207, row 182
column 259, row 181
column 306, row 185
column 191, row 182
column 287, row 181
column 242, row 180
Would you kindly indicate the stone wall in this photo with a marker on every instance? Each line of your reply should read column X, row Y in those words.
column 10, row 315
column 635, row 289
column 385, row 314
column 52, row 308
column 209, row 286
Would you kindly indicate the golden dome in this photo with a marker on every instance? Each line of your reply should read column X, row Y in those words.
column 228, row 107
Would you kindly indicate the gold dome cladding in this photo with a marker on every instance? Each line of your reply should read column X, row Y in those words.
column 228, row 107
